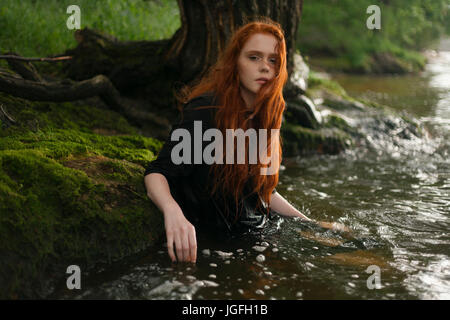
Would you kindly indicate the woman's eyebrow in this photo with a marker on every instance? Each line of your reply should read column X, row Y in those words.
column 261, row 53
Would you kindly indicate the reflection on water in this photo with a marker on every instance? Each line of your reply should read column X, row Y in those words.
column 393, row 192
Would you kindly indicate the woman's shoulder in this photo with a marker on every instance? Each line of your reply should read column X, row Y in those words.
column 202, row 107
column 203, row 100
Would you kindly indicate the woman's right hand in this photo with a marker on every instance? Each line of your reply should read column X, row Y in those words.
column 181, row 233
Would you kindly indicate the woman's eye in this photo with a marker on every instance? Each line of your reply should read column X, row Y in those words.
column 273, row 61
column 254, row 58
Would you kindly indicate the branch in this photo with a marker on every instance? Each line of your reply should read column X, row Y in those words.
column 14, row 57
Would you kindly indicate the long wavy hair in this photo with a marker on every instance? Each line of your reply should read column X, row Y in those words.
column 223, row 80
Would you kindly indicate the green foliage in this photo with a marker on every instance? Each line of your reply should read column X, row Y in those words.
column 338, row 28
column 38, row 28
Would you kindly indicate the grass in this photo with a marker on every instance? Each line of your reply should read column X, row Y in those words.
column 38, row 27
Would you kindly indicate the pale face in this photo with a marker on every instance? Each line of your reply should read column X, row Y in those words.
column 256, row 65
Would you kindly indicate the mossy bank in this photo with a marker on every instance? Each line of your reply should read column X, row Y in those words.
column 68, row 194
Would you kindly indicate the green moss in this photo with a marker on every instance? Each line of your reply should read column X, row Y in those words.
column 69, row 195
column 66, row 115
column 52, row 213
column 315, row 82
column 58, row 144
column 299, row 140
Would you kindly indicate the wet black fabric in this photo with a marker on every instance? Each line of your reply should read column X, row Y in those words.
column 190, row 183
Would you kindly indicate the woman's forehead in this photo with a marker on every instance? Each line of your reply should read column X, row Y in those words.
column 261, row 43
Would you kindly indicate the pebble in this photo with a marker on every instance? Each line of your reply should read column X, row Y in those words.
column 224, row 254
column 266, row 287
column 189, row 277
column 268, row 273
column 241, row 291
column 213, row 265
column 259, row 248
column 260, row 292
column 210, row 283
column 274, row 249
column 206, row 252
column 299, row 294
column 183, row 289
column 260, row 258
column 351, row 284
column 212, row 276
column 355, row 276
column 239, row 250
column 264, row 244
column 227, row 262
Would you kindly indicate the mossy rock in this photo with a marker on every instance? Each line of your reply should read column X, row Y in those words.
column 69, row 195
column 83, row 210
column 298, row 140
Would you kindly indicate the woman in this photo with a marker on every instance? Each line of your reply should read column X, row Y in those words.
column 242, row 90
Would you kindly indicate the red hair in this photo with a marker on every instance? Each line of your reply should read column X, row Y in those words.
column 223, row 80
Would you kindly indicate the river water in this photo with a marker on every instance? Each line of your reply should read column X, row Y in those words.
column 393, row 192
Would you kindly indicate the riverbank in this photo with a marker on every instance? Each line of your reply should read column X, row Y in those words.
column 71, row 192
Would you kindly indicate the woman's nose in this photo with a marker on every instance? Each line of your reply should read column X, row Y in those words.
column 264, row 67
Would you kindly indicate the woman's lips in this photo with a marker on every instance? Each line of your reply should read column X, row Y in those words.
column 261, row 81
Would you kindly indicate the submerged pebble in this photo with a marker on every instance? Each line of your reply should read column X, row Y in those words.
column 259, row 248
column 210, row 283
column 260, row 258
column 206, row 252
column 260, row 292
column 224, row 254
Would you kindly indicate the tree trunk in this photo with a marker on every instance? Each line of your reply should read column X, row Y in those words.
column 206, row 27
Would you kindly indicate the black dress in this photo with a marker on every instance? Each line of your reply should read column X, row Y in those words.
column 189, row 183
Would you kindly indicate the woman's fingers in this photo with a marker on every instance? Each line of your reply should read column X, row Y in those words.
column 193, row 245
column 186, row 246
column 170, row 247
column 182, row 242
column 179, row 247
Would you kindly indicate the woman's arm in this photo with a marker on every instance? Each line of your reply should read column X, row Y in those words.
column 179, row 230
column 283, row 207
